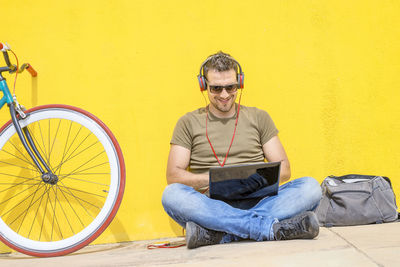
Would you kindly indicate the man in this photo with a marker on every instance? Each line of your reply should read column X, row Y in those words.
column 225, row 133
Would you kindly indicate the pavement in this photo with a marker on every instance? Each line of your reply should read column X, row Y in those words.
column 368, row 245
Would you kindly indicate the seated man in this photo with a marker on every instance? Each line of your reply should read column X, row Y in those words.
column 226, row 133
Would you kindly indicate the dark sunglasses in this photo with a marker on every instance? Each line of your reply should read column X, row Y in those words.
column 217, row 89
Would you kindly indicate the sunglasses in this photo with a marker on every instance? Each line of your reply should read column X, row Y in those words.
column 217, row 89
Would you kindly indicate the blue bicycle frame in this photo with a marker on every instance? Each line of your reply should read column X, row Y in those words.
column 7, row 98
column 23, row 133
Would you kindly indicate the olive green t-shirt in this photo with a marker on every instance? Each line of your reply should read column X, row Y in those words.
column 255, row 128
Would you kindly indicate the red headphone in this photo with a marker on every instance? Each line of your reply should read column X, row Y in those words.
column 203, row 81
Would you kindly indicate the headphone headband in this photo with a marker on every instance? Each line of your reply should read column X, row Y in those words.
column 203, row 81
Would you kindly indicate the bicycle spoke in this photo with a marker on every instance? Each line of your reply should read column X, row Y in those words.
column 92, row 167
column 54, row 214
column 90, row 173
column 91, row 204
column 54, row 218
column 15, row 194
column 66, row 142
column 81, row 172
column 43, row 153
column 71, row 188
column 16, row 184
column 16, row 148
column 28, row 160
column 58, row 224
column 15, row 156
column 78, row 198
column 44, row 214
column 86, row 181
column 85, row 163
column 18, row 176
column 55, row 137
column 73, row 141
column 48, row 138
column 19, row 166
column 26, row 211
column 72, row 207
column 78, row 146
column 69, row 157
column 37, row 211
column 44, row 146
column 66, row 217
column 2, row 215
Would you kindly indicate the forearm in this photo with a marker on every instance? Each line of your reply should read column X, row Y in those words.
column 188, row 178
column 285, row 171
column 274, row 151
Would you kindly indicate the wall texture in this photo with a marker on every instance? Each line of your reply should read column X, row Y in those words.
column 326, row 71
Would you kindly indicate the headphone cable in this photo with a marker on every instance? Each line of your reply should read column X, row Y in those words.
column 233, row 136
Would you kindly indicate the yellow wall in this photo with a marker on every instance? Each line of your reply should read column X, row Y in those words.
column 326, row 71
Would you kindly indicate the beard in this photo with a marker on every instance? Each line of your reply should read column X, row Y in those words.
column 224, row 107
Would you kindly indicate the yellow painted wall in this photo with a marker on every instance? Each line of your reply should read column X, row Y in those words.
column 326, row 71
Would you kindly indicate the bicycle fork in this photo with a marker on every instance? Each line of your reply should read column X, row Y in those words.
column 23, row 133
column 26, row 138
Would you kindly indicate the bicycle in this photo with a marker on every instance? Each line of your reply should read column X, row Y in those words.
column 62, row 175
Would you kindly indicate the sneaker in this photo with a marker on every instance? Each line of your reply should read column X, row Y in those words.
column 197, row 236
column 302, row 226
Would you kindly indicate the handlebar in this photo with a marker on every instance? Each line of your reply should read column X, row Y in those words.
column 29, row 68
column 12, row 68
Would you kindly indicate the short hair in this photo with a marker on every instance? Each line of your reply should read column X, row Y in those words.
column 220, row 62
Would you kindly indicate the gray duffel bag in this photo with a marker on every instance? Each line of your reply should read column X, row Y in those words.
column 356, row 199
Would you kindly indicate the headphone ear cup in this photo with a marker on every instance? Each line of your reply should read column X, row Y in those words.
column 202, row 82
column 240, row 79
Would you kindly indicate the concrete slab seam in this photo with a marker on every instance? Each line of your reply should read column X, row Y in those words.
column 355, row 247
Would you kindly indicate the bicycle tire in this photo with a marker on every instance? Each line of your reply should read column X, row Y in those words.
column 95, row 190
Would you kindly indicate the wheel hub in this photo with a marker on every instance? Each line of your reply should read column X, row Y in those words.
column 50, row 178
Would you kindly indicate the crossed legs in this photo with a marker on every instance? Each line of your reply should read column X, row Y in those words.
column 185, row 204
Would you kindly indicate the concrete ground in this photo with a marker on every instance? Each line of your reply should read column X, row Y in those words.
column 370, row 245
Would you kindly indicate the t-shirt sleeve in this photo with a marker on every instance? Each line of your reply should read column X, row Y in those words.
column 266, row 126
column 182, row 133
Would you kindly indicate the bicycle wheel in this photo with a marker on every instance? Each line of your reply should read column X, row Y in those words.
column 43, row 219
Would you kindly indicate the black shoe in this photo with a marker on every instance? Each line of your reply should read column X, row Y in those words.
column 302, row 226
column 197, row 236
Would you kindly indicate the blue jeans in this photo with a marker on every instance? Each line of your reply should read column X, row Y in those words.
column 184, row 204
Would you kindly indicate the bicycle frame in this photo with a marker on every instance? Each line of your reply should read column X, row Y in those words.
column 23, row 133
column 7, row 98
